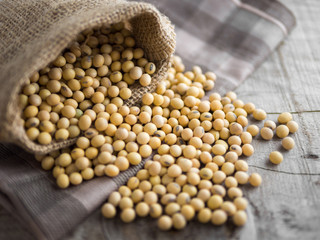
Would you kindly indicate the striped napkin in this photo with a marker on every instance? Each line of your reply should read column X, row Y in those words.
column 231, row 38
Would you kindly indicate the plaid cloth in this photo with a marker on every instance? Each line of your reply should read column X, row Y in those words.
column 231, row 38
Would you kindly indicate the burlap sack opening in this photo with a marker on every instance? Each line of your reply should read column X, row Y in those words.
column 34, row 32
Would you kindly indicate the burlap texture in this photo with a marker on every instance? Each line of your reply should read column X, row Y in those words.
column 34, row 32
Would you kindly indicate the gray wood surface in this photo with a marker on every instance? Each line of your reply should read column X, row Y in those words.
column 287, row 205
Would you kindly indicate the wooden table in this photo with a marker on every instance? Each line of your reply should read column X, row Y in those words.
column 287, row 205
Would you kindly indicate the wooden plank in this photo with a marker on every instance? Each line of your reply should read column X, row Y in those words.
column 287, row 205
column 288, row 200
column 289, row 80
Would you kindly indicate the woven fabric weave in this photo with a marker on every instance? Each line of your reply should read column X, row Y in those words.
column 34, row 32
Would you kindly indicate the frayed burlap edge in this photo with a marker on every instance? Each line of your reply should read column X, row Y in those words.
column 152, row 31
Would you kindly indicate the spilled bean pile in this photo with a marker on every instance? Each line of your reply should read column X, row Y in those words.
column 197, row 170
column 194, row 147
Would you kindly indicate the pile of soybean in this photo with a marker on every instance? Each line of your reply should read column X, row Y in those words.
column 196, row 150
column 197, row 169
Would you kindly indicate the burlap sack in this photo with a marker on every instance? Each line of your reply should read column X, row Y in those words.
column 33, row 33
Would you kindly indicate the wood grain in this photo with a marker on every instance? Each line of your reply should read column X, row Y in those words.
column 287, row 205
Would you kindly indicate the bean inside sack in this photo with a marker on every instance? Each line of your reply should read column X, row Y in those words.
column 95, row 71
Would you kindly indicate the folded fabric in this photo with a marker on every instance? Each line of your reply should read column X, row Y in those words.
column 231, row 38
